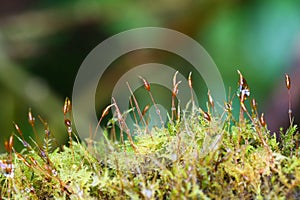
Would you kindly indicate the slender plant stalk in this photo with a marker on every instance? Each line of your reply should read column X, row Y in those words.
column 147, row 87
column 174, row 95
column 123, row 125
column 288, row 85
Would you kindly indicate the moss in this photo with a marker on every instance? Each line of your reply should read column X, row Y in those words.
column 200, row 155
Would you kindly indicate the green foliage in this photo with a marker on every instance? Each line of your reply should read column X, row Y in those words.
column 195, row 157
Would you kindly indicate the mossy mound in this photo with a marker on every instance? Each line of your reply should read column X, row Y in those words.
column 198, row 155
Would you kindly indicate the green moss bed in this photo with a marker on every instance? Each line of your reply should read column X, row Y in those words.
column 196, row 155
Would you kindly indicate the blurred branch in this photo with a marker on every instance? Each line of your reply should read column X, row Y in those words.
column 33, row 25
column 16, row 80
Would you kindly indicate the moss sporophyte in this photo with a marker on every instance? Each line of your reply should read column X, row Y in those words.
column 197, row 154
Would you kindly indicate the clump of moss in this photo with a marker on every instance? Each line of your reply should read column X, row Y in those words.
column 197, row 155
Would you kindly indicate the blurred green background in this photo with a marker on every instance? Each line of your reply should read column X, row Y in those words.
column 43, row 43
